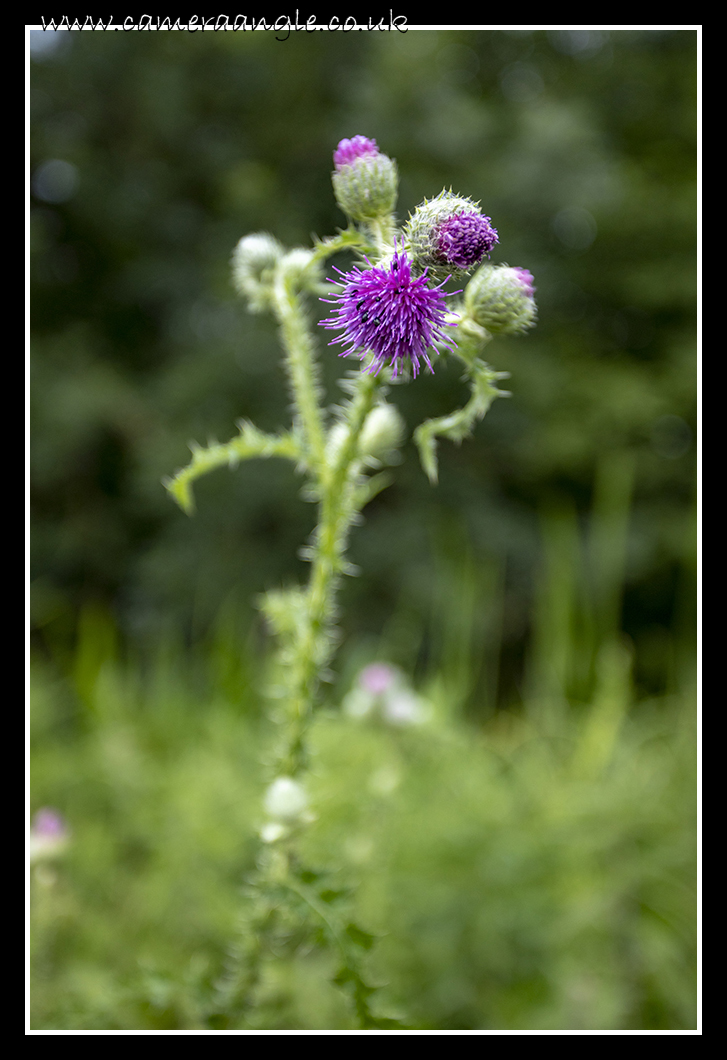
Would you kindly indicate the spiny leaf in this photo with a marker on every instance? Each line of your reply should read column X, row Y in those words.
column 460, row 423
column 250, row 443
column 285, row 610
column 370, row 487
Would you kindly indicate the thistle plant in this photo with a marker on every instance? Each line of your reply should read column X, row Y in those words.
column 394, row 314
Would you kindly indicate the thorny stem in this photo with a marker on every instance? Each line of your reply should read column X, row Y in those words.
column 302, row 369
column 349, row 239
column 337, row 485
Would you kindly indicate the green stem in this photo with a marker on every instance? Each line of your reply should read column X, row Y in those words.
column 340, row 502
column 350, row 239
column 382, row 230
column 301, row 364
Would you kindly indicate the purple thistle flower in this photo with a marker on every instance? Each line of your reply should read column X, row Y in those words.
column 463, row 239
column 349, row 150
column 386, row 310
column 448, row 233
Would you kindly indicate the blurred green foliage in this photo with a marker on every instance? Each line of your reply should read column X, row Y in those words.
column 531, row 867
column 536, row 874
column 152, row 154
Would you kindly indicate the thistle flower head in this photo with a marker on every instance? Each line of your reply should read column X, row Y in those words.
column 389, row 312
column 463, row 239
column 500, row 299
column 365, row 182
column 449, row 233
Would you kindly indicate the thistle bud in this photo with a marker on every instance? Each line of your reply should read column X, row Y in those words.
column 302, row 270
column 253, row 262
column 380, row 438
column 500, row 299
column 365, row 182
column 448, row 235
column 382, row 433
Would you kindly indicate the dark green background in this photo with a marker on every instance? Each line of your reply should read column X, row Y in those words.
column 582, row 149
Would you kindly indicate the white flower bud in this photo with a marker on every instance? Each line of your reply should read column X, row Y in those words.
column 381, row 435
column 272, row 831
column 382, row 432
column 286, row 799
column 253, row 262
column 301, row 269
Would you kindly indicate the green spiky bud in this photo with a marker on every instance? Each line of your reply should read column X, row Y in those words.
column 302, row 270
column 448, row 235
column 365, row 182
column 500, row 299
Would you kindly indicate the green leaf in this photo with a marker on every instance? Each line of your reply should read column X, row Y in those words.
column 360, row 937
column 331, row 895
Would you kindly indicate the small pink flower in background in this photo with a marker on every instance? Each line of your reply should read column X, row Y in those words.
column 382, row 691
column 49, row 834
column 403, row 707
column 378, row 678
